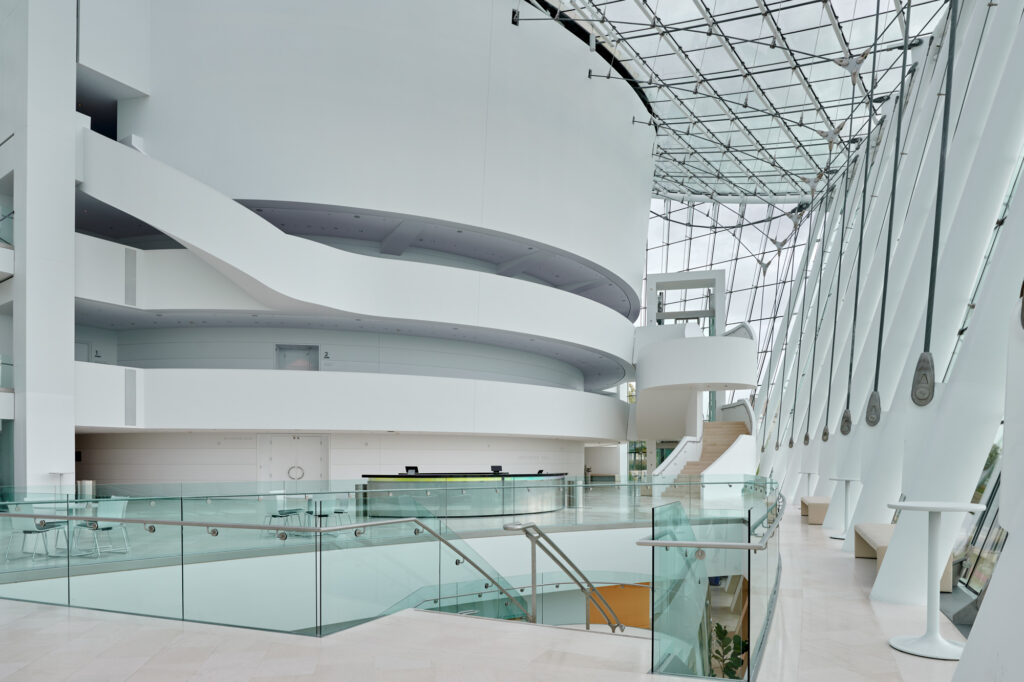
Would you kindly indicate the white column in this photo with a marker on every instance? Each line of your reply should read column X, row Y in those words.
column 44, row 202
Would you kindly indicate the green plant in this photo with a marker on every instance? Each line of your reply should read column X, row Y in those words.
column 727, row 653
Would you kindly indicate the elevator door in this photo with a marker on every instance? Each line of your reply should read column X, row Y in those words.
column 292, row 457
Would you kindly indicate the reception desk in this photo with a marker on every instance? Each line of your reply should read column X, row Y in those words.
column 464, row 494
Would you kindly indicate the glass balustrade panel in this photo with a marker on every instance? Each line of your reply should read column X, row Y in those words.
column 122, row 558
column 262, row 579
column 679, row 598
column 35, row 561
column 380, row 568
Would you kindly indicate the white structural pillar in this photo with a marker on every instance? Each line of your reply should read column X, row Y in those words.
column 44, row 230
column 841, row 535
column 986, row 656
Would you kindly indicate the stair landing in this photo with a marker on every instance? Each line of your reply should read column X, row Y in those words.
column 409, row 645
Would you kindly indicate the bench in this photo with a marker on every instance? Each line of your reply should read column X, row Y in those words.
column 814, row 508
column 871, row 540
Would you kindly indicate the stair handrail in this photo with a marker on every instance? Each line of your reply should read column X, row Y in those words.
column 488, row 590
column 539, row 538
column 684, row 443
column 281, row 533
column 780, row 508
column 741, row 329
column 748, row 409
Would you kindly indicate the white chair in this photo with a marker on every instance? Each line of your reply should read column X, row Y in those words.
column 114, row 508
column 341, row 505
column 285, row 514
column 28, row 528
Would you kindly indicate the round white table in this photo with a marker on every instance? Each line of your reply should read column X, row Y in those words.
column 841, row 535
column 931, row 644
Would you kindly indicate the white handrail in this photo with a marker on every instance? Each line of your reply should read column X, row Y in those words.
column 740, row 329
column 669, row 464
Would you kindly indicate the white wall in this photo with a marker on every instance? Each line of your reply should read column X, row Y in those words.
column 443, row 110
column 113, row 39
column 169, row 457
column 605, row 460
column 13, row 40
column 102, row 344
column 254, row 348
column 738, row 459
column 355, row 454
column 269, row 400
column 172, row 279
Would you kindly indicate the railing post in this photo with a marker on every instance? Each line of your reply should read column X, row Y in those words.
column 533, row 579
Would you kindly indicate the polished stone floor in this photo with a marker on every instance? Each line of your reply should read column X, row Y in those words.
column 49, row 643
column 825, row 629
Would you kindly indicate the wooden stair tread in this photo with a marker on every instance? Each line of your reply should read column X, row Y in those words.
column 718, row 437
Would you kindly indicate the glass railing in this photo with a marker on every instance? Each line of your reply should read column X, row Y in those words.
column 282, row 562
column 679, row 598
column 308, row 559
column 715, row 586
column 6, row 228
column 559, row 601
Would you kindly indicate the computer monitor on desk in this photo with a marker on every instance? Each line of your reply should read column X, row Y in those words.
column 412, row 470
column 496, row 469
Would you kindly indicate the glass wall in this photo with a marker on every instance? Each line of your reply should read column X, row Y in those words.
column 735, row 238
column 981, row 537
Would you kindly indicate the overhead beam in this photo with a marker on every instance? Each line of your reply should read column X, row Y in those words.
column 515, row 266
column 583, row 286
column 400, row 238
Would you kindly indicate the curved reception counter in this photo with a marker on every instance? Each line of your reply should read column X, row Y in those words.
column 464, row 494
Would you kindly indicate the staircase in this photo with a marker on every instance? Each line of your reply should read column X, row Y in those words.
column 718, row 437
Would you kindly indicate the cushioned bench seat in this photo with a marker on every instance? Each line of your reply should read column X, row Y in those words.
column 871, row 540
column 814, row 508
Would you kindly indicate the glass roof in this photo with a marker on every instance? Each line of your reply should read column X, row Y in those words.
column 751, row 100
column 758, row 106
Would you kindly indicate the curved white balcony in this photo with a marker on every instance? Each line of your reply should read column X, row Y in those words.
column 111, row 397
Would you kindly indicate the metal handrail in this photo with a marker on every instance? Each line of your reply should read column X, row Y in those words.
column 480, row 593
column 704, row 544
column 534, row 534
column 282, row 533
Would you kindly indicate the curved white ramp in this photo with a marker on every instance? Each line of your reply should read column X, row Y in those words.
column 251, row 252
